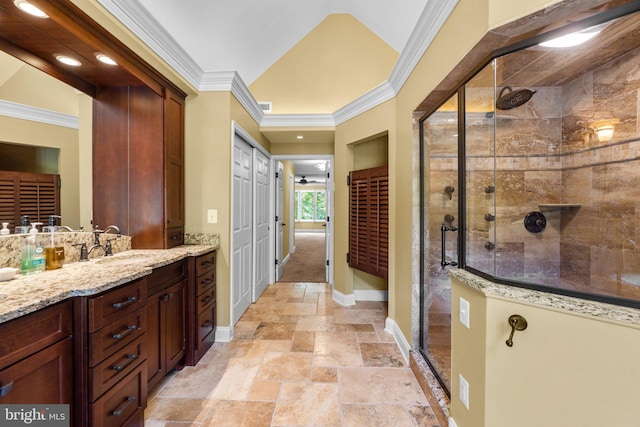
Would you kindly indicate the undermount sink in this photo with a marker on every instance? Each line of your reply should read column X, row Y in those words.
column 124, row 259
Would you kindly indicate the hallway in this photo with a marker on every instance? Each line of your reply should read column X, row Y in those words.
column 297, row 359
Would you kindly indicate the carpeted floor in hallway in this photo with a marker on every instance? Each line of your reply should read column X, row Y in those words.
column 307, row 263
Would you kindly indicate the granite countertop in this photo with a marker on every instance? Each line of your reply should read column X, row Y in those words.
column 610, row 312
column 26, row 294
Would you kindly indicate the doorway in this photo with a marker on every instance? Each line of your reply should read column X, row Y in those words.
column 304, row 200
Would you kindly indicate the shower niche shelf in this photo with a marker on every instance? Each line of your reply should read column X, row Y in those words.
column 559, row 206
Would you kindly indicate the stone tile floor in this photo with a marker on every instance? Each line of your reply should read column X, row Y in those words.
column 297, row 359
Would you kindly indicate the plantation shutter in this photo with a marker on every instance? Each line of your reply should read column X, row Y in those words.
column 33, row 194
column 369, row 220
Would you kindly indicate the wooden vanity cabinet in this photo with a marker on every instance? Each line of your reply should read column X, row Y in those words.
column 166, row 315
column 36, row 357
column 114, row 350
column 138, row 162
column 202, row 305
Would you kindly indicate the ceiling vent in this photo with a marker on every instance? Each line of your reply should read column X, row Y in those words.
column 265, row 106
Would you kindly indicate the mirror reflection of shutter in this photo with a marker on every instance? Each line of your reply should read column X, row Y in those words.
column 8, row 204
column 33, row 194
column 369, row 220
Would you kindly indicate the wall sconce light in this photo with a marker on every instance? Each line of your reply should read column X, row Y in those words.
column 603, row 129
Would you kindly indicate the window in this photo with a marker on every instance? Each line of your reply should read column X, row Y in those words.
column 309, row 205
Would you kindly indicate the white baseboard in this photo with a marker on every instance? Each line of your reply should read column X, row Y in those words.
column 286, row 259
column 371, row 295
column 452, row 422
column 224, row 333
column 343, row 299
column 392, row 327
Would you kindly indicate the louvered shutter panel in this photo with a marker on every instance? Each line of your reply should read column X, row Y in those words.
column 369, row 220
column 33, row 194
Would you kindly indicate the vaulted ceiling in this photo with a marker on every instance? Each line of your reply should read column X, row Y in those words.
column 248, row 36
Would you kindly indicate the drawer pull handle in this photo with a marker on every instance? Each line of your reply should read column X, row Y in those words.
column 124, row 406
column 129, row 300
column 166, row 297
column 207, row 299
column 130, row 358
column 129, row 329
column 6, row 389
column 206, row 264
column 206, row 281
column 207, row 324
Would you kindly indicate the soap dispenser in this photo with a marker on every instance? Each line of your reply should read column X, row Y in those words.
column 54, row 254
column 24, row 227
column 33, row 260
column 5, row 230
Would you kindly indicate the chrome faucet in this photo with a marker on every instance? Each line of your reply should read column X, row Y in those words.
column 107, row 248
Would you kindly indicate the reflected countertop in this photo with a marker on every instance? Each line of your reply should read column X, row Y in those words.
column 26, row 294
column 609, row 312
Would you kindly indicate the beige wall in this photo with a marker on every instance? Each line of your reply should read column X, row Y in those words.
column 288, row 171
column 338, row 61
column 566, row 369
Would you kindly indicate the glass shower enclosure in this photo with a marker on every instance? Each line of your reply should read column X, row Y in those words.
column 531, row 176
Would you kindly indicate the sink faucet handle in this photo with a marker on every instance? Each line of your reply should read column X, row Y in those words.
column 108, row 248
column 84, row 253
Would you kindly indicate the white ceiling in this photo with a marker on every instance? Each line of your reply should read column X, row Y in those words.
column 248, row 36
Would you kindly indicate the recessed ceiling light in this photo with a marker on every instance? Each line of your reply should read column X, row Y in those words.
column 300, row 137
column 105, row 59
column 573, row 39
column 68, row 61
column 27, row 7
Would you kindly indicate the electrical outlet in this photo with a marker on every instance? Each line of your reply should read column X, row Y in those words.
column 212, row 216
column 463, row 390
column 464, row 312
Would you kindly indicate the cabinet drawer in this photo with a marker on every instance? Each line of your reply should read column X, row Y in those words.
column 114, row 304
column 206, row 298
column 205, row 282
column 117, row 366
column 122, row 401
column 116, row 335
column 206, row 322
column 33, row 332
column 162, row 277
column 175, row 237
column 43, row 378
column 206, row 262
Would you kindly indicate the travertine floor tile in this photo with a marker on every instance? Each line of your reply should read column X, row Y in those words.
column 308, row 404
column 380, row 385
column 297, row 359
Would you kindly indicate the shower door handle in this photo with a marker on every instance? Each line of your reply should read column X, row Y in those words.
column 443, row 230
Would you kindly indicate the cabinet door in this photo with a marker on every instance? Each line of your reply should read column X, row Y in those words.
column 175, row 323
column 43, row 378
column 174, row 160
column 155, row 353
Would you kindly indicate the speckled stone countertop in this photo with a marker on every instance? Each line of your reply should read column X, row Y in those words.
column 26, row 294
column 603, row 311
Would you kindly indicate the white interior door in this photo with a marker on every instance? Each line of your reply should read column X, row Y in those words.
column 328, row 229
column 242, row 228
column 262, row 223
column 279, row 222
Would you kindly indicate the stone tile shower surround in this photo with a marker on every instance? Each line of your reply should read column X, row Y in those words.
column 545, row 155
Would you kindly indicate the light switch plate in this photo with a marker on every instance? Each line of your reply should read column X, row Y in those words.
column 464, row 312
column 463, row 390
column 212, row 216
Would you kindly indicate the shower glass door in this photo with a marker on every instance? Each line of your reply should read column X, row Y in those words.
column 440, row 190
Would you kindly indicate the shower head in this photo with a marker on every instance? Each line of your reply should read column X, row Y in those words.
column 513, row 98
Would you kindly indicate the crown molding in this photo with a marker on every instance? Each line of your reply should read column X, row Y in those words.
column 40, row 115
column 138, row 20
column 298, row 120
column 431, row 20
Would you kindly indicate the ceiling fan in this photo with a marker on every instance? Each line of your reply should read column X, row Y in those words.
column 304, row 181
